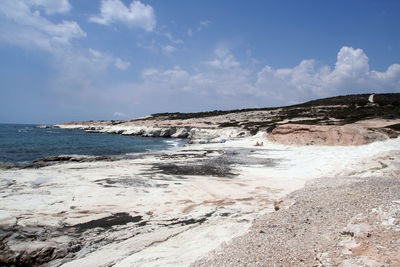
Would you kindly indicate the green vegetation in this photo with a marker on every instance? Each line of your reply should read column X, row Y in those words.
column 353, row 108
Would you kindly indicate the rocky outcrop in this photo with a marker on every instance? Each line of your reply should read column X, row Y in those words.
column 146, row 131
column 53, row 160
column 172, row 207
column 323, row 121
column 298, row 134
column 197, row 134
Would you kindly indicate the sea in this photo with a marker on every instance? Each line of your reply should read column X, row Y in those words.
column 24, row 143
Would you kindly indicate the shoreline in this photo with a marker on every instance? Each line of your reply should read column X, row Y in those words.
column 163, row 207
column 182, row 205
column 308, row 123
column 32, row 154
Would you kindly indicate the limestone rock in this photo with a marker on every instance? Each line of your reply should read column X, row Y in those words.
column 298, row 134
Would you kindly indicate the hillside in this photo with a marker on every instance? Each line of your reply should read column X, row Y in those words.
column 214, row 125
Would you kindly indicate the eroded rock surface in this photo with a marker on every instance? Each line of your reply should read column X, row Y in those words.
column 327, row 121
column 172, row 207
column 351, row 134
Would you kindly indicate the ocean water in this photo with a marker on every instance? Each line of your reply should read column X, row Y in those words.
column 22, row 143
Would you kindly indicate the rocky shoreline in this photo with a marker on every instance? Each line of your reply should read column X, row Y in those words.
column 62, row 226
column 173, row 207
column 168, row 207
column 331, row 121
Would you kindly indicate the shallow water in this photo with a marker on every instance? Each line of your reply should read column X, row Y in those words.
column 22, row 143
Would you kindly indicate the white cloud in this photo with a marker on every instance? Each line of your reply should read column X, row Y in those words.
column 206, row 82
column 227, row 79
column 173, row 79
column 53, row 6
column 190, row 32
column 98, row 59
column 203, row 24
column 230, row 85
column 119, row 114
column 168, row 49
column 121, row 64
column 224, row 60
column 152, row 45
column 21, row 24
column 351, row 74
column 137, row 15
column 24, row 26
column 82, row 68
column 172, row 39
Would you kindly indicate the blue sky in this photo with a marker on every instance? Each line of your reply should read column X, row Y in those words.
column 71, row 60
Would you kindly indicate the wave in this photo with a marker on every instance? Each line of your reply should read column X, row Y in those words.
column 25, row 129
column 28, row 143
column 52, row 132
column 173, row 142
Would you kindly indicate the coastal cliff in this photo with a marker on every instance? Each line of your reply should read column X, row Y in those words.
column 342, row 120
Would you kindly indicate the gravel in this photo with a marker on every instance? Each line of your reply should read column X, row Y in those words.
column 311, row 228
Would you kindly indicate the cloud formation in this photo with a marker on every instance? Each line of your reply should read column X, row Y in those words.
column 221, row 76
column 121, row 64
column 223, row 80
column 119, row 114
column 137, row 15
column 225, row 77
column 24, row 26
column 172, row 79
column 172, row 39
column 224, row 60
column 203, row 24
column 351, row 74
column 168, row 49
column 51, row 6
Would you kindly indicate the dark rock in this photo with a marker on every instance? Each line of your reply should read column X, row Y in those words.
column 120, row 218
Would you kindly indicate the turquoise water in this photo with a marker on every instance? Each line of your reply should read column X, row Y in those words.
column 22, row 143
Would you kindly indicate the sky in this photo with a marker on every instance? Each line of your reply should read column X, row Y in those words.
column 74, row 60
